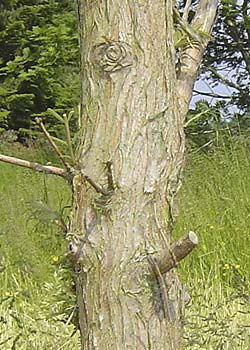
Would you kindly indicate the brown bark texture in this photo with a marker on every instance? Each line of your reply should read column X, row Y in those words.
column 127, row 177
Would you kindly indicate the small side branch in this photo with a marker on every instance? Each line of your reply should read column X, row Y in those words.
column 178, row 250
column 53, row 145
column 35, row 166
column 212, row 94
column 98, row 188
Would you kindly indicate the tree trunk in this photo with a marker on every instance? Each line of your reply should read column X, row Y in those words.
column 128, row 176
column 129, row 171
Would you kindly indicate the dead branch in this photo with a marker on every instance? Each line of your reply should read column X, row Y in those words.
column 37, row 167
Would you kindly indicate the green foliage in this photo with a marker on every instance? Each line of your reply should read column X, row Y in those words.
column 38, row 60
column 36, row 316
column 68, row 131
column 36, row 297
column 206, row 124
column 227, row 58
column 226, row 64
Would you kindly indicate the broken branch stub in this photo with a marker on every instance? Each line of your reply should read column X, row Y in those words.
column 169, row 258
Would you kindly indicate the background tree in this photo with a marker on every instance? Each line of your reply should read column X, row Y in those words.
column 134, row 104
column 203, row 125
column 227, row 59
column 223, row 80
column 38, row 62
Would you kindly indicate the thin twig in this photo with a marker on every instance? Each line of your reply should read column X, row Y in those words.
column 36, row 166
column 223, row 79
column 212, row 94
column 54, row 146
column 68, row 138
column 98, row 188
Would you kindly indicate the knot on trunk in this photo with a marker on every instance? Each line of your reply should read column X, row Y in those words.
column 114, row 56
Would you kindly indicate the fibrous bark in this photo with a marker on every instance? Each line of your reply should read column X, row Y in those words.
column 131, row 121
column 128, row 177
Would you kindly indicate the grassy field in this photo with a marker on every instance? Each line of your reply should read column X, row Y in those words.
column 36, row 300
column 215, row 203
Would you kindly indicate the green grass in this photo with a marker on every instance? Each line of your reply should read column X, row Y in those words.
column 215, row 203
column 35, row 289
